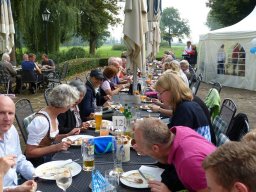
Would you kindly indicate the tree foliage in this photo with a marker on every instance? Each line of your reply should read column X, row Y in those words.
column 228, row 12
column 88, row 18
column 172, row 25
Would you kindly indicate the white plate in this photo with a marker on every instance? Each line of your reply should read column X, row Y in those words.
column 145, row 107
column 105, row 123
column 47, row 170
column 76, row 141
column 134, row 174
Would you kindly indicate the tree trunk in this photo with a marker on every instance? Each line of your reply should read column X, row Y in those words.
column 170, row 38
column 92, row 46
column 13, row 56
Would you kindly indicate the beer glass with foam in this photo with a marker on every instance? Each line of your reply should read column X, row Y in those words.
column 98, row 118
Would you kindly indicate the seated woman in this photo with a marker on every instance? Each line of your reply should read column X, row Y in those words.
column 173, row 92
column 107, row 88
column 71, row 118
column 43, row 133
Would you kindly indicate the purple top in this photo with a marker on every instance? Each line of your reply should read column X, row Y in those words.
column 187, row 153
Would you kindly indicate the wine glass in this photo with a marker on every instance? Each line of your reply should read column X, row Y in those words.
column 63, row 178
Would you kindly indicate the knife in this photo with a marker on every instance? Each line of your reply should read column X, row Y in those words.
column 142, row 175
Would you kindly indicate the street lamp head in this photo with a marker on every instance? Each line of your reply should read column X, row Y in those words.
column 46, row 15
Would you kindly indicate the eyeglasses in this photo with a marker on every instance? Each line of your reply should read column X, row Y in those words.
column 161, row 93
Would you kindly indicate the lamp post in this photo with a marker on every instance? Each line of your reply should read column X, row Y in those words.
column 46, row 16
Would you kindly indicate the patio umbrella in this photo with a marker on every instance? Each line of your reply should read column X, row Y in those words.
column 135, row 27
column 6, row 27
column 153, row 36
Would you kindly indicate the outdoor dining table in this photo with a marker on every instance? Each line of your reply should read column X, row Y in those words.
column 103, row 162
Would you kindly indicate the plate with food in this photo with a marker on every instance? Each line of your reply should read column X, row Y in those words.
column 76, row 140
column 49, row 170
column 147, row 100
column 105, row 123
column 135, row 180
column 145, row 107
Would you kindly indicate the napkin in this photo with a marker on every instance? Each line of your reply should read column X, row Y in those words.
column 156, row 172
column 103, row 144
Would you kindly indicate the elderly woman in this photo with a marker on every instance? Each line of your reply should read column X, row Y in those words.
column 71, row 119
column 43, row 132
column 175, row 93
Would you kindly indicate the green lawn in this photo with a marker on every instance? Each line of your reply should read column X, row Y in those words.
column 106, row 51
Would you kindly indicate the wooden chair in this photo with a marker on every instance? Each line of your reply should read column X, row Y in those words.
column 228, row 111
column 23, row 110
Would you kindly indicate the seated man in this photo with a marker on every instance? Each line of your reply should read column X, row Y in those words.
column 46, row 62
column 31, row 66
column 89, row 102
column 179, row 146
column 10, row 145
column 7, row 67
column 232, row 167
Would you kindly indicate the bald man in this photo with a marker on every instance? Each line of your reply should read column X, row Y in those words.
column 10, row 146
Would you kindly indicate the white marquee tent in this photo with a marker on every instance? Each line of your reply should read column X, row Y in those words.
column 241, row 34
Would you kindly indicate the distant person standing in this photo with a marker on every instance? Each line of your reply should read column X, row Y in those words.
column 221, row 56
column 47, row 63
column 187, row 51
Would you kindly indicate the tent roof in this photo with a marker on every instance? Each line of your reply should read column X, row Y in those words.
column 245, row 28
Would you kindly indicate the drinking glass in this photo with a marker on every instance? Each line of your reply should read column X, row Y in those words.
column 87, row 150
column 63, row 178
column 104, row 130
column 98, row 118
column 112, row 178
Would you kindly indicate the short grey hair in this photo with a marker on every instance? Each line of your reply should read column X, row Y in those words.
column 6, row 57
column 79, row 85
column 63, row 95
column 154, row 131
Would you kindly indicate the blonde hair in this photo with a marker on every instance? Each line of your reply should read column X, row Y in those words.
column 184, row 63
column 174, row 65
column 178, row 88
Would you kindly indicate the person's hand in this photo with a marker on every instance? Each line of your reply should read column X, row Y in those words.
column 107, row 97
column 91, row 116
column 85, row 125
column 156, row 101
column 63, row 146
column 154, row 108
column 27, row 186
column 157, row 186
column 74, row 131
column 6, row 163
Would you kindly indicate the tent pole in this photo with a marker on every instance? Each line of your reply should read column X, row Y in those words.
column 135, row 78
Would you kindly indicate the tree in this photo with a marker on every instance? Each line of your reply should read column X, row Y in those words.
column 172, row 25
column 228, row 12
column 94, row 22
column 212, row 22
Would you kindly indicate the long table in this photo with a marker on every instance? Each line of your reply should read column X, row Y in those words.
column 103, row 162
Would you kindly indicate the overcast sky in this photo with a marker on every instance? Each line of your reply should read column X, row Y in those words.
column 195, row 11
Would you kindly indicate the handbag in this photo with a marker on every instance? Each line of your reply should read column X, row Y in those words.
column 105, row 144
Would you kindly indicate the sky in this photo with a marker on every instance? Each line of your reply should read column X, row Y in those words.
column 195, row 11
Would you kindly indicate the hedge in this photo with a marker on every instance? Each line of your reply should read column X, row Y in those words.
column 83, row 64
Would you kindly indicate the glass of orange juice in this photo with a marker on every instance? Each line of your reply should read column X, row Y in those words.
column 104, row 130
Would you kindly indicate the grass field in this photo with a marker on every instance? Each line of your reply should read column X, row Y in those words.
column 106, row 51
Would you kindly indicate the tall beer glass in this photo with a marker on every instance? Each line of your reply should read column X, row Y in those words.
column 98, row 118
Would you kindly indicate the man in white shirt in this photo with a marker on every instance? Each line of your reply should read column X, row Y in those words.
column 10, row 145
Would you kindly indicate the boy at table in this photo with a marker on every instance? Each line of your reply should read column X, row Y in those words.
column 180, row 146
column 232, row 167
